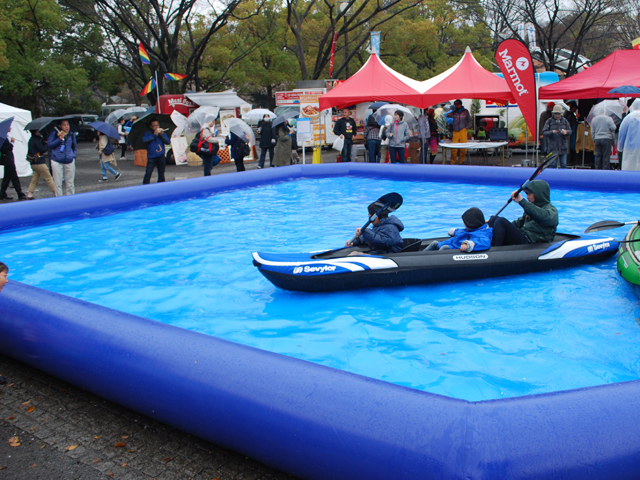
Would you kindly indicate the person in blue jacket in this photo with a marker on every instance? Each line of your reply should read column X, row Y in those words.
column 384, row 237
column 155, row 139
column 63, row 151
column 475, row 236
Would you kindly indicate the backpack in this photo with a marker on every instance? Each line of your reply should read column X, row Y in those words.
column 245, row 149
column 199, row 145
column 109, row 148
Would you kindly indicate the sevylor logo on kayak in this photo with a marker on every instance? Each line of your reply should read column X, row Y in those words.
column 308, row 269
column 600, row 246
column 477, row 256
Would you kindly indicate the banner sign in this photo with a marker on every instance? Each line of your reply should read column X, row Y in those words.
column 333, row 52
column 375, row 43
column 515, row 63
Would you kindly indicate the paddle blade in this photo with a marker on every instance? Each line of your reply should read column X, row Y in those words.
column 606, row 225
column 392, row 201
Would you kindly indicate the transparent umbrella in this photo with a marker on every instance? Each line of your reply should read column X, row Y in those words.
column 114, row 116
column 241, row 129
column 389, row 109
column 199, row 119
column 133, row 112
column 259, row 113
column 611, row 108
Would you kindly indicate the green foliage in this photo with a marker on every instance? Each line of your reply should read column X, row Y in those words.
column 35, row 74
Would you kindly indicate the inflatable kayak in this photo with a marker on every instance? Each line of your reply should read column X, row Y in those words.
column 351, row 267
column 629, row 258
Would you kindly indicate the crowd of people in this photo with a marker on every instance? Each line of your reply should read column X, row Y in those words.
column 557, row 134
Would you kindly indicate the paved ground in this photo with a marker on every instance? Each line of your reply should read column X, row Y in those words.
column 66, row 433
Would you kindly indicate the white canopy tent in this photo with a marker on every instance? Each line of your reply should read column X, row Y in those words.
column 20, row 119
column 226, row 99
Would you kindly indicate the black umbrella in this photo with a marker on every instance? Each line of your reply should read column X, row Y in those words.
column 142, row 125
column 284, row 117
column 45, row 124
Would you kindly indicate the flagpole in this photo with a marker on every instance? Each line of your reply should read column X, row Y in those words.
column 158, row 92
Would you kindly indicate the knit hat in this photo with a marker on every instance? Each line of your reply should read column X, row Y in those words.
column 473, row 218
column 551, row 105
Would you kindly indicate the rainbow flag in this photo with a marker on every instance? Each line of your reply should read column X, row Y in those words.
column 174, row 77
column 635, row 44
column 144, row 56
column 148, row 87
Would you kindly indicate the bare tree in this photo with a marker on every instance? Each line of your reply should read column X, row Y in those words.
column 559, row 25
column 163, row 27
column 354, row 23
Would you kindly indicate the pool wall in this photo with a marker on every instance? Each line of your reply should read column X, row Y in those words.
column 313, row 421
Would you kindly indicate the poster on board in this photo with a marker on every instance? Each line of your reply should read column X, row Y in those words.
column 179, row 147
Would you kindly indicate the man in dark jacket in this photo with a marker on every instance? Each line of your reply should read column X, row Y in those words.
column 156, row 139
column 461, row 122
column 346, row 127
column 572, row 119
column 538, row 224
column 544, row 116
column 63, row 152
column 267, row 141
column 556, row 132
column 384, row 236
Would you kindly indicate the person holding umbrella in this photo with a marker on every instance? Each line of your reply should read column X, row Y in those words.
column 10, row 174
column 37, row 148
column 122, row 132
column 155, row 139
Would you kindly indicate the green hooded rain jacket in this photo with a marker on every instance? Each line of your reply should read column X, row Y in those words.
column 540, row 218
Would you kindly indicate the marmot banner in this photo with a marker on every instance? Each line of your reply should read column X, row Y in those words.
column 515, row 63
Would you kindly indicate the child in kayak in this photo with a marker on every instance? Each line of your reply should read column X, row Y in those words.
column 384, row 236
column 475, row 236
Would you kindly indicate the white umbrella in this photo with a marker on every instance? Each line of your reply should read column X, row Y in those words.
column 241, row 129
column 114, row 116
column 200, row 118
column 390, row 109
column 260, row 113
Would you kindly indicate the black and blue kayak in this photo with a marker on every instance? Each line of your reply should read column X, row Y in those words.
column 353, row 268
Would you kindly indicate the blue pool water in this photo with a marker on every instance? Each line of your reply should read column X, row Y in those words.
column 189, row 264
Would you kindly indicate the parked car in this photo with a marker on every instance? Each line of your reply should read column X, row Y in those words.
column 85, row 132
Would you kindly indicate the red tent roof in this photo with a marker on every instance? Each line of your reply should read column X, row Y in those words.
column 620, row 68
column 377, row 81
column 466, row 79
column 374, row 81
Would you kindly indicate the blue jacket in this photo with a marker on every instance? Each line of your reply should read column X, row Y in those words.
column 155, row 144
column 384, row 237
column 70, row 151
column 478, row 239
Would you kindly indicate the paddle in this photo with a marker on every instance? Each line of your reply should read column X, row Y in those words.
column 390, row 202
column 548, row 159
column 608, row 225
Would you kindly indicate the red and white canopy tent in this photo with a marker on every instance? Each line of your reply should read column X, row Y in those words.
column 377, row 81
column 374, row 81
column 620, row 68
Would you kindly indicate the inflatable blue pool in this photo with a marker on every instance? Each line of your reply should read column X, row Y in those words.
column 313, row 421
